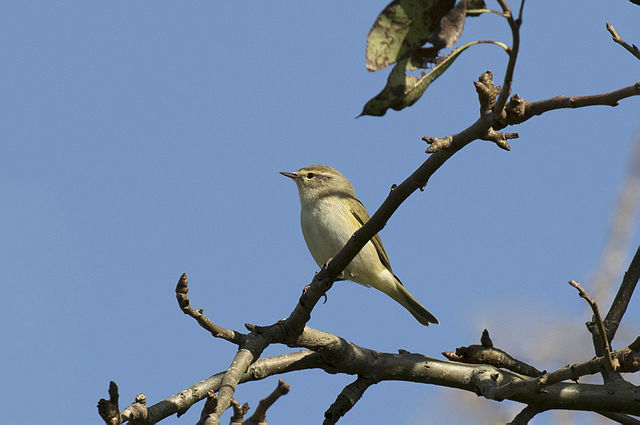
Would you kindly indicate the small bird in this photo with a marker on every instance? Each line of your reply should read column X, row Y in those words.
column 329, row 214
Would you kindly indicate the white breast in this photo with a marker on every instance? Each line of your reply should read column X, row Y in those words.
column 327, row 226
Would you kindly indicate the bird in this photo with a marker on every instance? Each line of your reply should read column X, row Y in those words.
column 330, row 213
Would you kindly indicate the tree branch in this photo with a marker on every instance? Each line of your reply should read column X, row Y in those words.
column 487, row 354
column 347, row 398
column 628, row 359
column 610, row 365
column 209, row 409
column 238, row 412
column 623, row 296
column 621, row 418
column 633, row 49
column 259, row 417
column 135, row 412
column 493, row 383
column 336, row 355
column 263, row 368
column 514, row 24
column 519, row 110
column 525, row 415
column 182, row 290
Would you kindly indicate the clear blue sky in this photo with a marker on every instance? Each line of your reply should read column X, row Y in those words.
column 143, row 139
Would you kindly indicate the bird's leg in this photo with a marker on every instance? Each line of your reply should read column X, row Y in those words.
column 306, row 288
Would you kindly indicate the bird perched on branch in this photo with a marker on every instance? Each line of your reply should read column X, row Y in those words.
column 330, row 213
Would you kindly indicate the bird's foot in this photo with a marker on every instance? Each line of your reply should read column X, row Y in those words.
column 340, row 277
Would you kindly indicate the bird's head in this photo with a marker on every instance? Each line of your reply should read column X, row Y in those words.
column 317, row 181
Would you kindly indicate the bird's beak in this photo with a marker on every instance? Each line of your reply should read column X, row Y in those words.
column 290, row 175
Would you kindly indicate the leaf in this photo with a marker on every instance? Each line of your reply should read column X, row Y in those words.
column 403, row 89
column 402, row 28
column 451, row 26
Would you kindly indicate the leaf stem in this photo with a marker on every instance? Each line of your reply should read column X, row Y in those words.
column 480, row 11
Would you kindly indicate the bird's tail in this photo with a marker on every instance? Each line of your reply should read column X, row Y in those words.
column 401, row 295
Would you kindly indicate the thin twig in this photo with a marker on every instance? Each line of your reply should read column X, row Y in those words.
column 610, row 365
column 260, row 414
column 505, row 7
column 486, row 353
column 347, row 398
column 135, row 412
column 621, row 418
column 209, row 408
column 623, row 296
column 520, row 11
column 526, row 110
column 238, row 412
column 525, row 415
column 182, row 290
column 108, row 409
column 621, row 229
column 513, row 55
column 633, row 49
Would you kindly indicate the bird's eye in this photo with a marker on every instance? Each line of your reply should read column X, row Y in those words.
column 310, row 175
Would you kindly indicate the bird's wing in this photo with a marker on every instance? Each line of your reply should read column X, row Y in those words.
column 360, row 213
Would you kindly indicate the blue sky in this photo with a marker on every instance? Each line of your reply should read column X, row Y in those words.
column 144, row 139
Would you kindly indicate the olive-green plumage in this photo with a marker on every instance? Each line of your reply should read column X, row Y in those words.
column 330, row 213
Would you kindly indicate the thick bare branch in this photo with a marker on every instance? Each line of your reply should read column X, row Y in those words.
column 493, row 383
column 337, row 355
